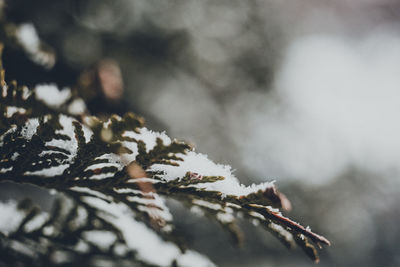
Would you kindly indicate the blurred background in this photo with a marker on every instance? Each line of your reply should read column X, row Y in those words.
column 306, row 93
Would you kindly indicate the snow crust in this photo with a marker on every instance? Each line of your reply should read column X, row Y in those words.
column 91, row 192
column 225, row 217
column 126, row 157
column 14, row 156
column 197, row 211
column 36, row 222
column 288, row 236
column 68, row 129
column 143, row 180
column 149, row 137
column 25, row 93
column 143, row 240
column 194, row 259
column 199, row 163
column 9, row 131
column 82, row 246
column 87, row 133
column 77, row 107
column 27, row 36
column 51, row 96
column 4, row 91
column 150, row 204
column 70, row 145
column 4, row 170
column 11, row 110
column 102, row 239
column 49, row 172
column 11, row 217
column 206, row 204
column 22, row 248
column 30, row 128
column 113, row 161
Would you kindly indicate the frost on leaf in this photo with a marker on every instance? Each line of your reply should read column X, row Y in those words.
column 112, row 179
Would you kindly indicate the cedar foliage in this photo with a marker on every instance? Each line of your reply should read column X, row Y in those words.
column 103, row 172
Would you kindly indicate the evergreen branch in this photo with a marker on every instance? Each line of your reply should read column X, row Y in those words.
column 113, row 177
